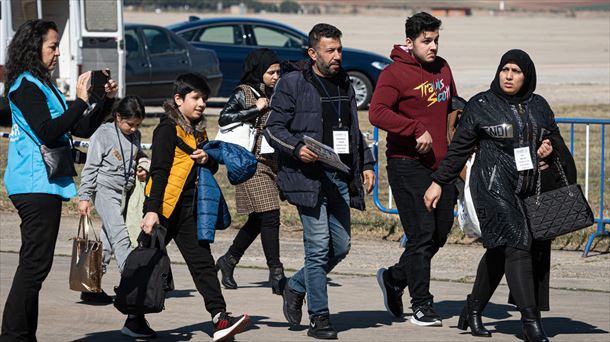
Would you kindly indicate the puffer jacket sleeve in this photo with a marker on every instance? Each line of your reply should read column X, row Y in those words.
column 235, row 110
column 463, row 144
column 281, row 114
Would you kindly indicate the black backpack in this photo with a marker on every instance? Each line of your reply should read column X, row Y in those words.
column 146, row 276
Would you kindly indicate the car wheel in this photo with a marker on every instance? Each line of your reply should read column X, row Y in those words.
column 362, row 87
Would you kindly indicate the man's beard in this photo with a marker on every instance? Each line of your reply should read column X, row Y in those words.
column 325, row 68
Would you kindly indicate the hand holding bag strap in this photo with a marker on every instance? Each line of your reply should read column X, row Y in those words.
column 158, row 236
column 82, row 228
column 89, row 225
column 562, row 174
column 85, row 224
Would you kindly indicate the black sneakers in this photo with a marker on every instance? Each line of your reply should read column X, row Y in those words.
column 137, row 326
column 226, row 265
column 425, row 315
column 226, row 326
column 293, row 303
column 392, row 296
column 320, row 327
column 96, row 298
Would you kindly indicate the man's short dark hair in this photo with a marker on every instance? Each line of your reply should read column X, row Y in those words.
column 186, row 83
column 419, row 23
column 322, row 30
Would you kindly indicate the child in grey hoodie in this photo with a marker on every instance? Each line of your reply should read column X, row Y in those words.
column 107, row 178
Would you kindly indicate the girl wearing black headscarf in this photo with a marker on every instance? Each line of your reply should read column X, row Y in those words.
column 515, row 130
column 258, row 197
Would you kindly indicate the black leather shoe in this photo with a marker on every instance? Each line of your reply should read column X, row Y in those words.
column 226, row 265
column 293, row 305
column 471, row 317
column 96, row 298
column 320, row 327
column 533, row 331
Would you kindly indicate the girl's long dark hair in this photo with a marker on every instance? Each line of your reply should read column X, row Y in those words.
column 129, row 107
column 25, row 52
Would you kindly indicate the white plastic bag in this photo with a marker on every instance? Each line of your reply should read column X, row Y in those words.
column 239, row 133
column 466, row 213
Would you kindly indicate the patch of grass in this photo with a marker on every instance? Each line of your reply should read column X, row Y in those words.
column 373, row 223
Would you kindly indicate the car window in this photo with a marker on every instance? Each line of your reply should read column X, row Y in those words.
column 157, row 41
column 176, row 45
column 267, row 36
column 188, row 35
column 225, row 34
column 132, row 44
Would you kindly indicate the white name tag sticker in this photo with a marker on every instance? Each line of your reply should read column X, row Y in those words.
column 341, row 142
column 523, row 159
column 265, row 147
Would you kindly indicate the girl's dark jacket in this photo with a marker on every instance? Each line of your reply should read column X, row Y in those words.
column 499, row 127
column 295, row 111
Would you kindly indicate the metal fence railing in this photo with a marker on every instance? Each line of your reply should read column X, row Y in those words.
column 574, row 124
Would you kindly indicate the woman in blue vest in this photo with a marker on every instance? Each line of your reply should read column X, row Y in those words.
column 40, row 117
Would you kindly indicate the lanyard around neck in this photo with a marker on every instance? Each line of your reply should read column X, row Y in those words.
column 336, row 108
column 126, row 171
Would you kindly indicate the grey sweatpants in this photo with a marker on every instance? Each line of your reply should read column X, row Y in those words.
column 115, row 237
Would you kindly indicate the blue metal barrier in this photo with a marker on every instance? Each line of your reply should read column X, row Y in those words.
column 600, row 220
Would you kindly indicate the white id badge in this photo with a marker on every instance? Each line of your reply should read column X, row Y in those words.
column 265, row 147
column 341, row 141
column 523, row 159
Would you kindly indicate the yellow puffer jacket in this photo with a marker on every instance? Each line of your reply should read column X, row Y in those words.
column 182, row 163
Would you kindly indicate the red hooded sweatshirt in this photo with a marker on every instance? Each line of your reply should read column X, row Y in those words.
column 411, row 98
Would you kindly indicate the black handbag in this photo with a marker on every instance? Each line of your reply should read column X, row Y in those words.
column 58, row 161
column 557, row 212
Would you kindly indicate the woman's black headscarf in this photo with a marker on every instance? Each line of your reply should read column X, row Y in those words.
column 256, row 64
column 523, row 60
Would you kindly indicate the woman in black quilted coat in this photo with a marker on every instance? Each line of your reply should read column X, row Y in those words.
column 513, row 128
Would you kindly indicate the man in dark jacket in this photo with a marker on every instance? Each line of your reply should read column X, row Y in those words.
column 411, row 102
column 319, row 102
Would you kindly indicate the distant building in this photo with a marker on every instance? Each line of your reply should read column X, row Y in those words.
column 451, row 11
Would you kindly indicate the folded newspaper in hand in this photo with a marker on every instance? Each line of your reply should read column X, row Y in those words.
column 326, row 154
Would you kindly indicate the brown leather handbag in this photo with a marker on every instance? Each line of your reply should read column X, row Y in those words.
column 86, row 264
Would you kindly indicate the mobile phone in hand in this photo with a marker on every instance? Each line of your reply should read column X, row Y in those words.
column 99, row 78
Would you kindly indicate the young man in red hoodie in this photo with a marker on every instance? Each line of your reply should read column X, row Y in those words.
column 411, row 102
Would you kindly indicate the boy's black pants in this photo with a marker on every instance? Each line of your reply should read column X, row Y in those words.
column 182, row 228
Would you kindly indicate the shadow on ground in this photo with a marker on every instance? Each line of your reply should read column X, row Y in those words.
column 347, row 320
column 185, row 333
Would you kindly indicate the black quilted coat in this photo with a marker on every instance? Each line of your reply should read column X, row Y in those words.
column 498, row 127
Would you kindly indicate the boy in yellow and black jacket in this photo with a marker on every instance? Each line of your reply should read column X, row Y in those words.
column 171, row 195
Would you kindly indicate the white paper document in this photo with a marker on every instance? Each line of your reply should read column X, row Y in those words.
column 326, row 154
column 265, row 147
column 341, row 141
column 523, row 159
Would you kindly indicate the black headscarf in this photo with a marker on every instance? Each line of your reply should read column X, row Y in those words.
column 256, row 64
column 523, row 60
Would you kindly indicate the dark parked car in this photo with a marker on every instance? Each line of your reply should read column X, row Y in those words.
column 155, row 56
column 234, row 38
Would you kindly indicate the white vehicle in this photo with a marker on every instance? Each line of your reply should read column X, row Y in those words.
column 91, row 36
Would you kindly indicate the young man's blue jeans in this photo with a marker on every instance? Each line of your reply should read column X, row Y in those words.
column 326, row 237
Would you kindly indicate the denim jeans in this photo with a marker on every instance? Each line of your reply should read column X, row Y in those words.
column 326, row 238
